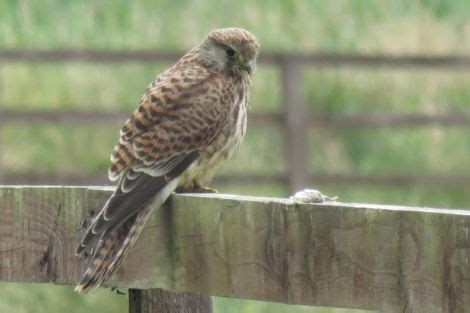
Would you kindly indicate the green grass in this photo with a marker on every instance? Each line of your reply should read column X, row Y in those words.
column 432, row 27
column 406, row 150
column 362, row 25
column 42, row 298
column 226, row 305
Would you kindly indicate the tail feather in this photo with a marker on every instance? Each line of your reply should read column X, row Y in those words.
column 116, row 242
column 129, row 241
column 98, row 267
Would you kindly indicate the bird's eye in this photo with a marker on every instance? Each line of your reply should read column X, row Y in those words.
column 230, row 52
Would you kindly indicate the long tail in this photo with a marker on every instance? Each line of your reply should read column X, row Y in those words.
column 114, row 244
column 110, row 252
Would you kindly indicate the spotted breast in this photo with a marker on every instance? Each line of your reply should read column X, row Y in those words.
column 230, row 137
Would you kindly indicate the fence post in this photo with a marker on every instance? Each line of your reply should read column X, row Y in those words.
column 295, row 142
column 162, row 301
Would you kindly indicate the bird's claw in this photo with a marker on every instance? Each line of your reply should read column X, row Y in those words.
column 195, row 189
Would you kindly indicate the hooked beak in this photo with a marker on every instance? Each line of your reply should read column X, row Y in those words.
column 248, row 66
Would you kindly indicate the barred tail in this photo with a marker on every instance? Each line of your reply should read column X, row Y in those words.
column 115, row 243
column 110, row 252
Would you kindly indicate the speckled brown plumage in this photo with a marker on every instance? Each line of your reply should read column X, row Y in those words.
column 190, row 119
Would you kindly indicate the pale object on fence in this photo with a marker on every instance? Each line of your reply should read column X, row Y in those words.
column 311, row 196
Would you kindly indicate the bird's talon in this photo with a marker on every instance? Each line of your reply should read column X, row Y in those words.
column 195, row 189
column 201, row 189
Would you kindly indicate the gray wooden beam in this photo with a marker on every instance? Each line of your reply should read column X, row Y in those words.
column 336, row 120
column 390, row 258
column 456, row 62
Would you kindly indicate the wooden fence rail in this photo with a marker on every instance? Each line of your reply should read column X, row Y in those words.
column 294, row 119
column 389, row 258
column 455, row 62
column 336, row 120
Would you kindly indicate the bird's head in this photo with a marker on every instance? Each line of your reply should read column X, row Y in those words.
column 232, row 50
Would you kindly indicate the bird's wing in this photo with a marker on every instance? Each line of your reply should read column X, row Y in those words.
column 181, row 112
column 178, row 114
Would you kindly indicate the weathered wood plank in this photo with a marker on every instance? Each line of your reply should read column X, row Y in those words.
column 456, row 62
column 336, row 120
column 333, row 254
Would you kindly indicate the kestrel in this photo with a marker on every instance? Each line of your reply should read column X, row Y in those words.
column 191, row 117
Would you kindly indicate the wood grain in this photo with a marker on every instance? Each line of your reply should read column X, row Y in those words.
column 390, row 258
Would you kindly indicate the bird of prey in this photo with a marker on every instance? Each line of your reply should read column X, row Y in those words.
column 191, row 117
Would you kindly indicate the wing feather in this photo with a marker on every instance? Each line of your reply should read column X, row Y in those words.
column 179, row 113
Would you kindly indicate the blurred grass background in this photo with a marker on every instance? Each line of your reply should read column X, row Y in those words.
column 429, row 27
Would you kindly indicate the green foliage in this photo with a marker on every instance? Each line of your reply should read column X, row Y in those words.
column 42, row 298
column 363, row 25
column 366, row 26
column 241, row 306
